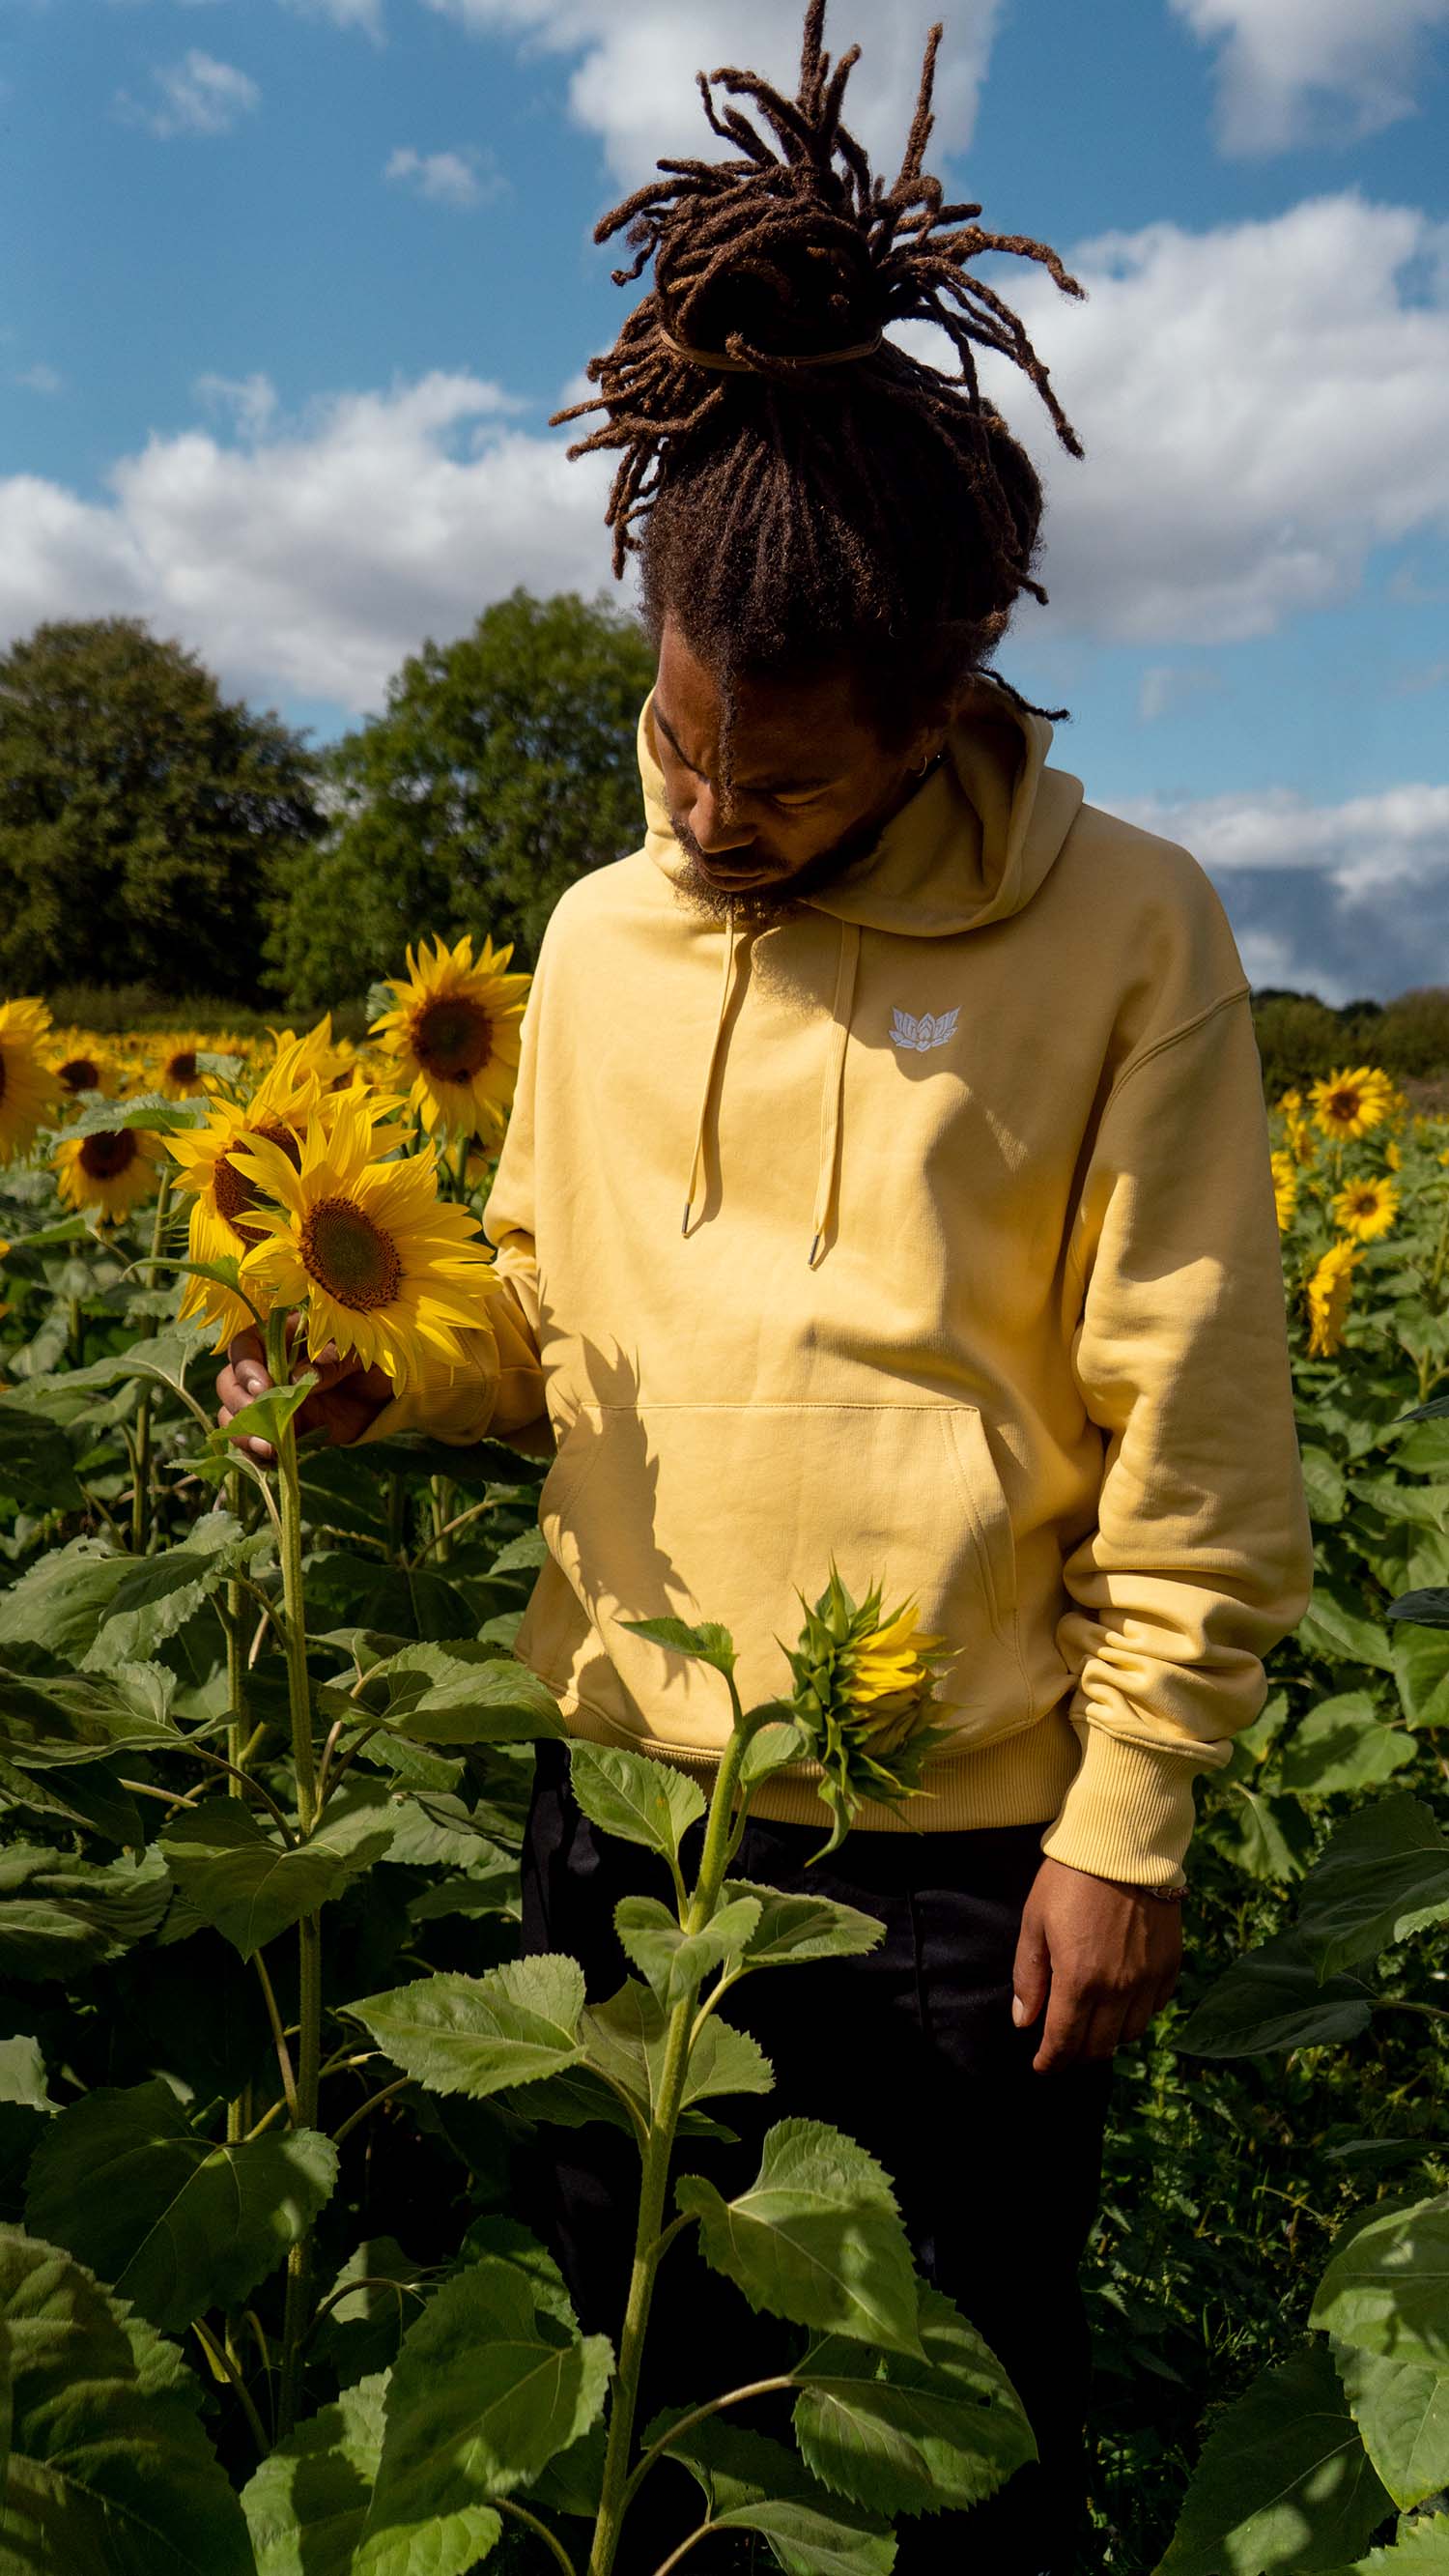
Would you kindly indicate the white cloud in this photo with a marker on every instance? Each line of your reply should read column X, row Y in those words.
column 633, row 84
column 1260, row 404
column 1339, row 899
column 1169, row 687
column 250, row 402
column 1292, row 68
column 313, row 558
column 199, row 95
column 460, row 179
column 40, row 379
column 365, row 15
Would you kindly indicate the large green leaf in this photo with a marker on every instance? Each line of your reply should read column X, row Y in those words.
column 1423, row 2551
column 1284, row 2486
column 1421, row 1669
column 753, row 2484
column 1343, row 1744
column 1335, row 1628
column 369, row 2308
column 1272, row 1998
column 22, row 2074
column 706, row 1643
column 1384, row 1875
column 906, row 2436
column 641, row 1799
column 60, row 1917
column 90, row 1606
column 792, row 1930
column 625, row 2040
column 1267, row 1836
column 816, row 2237
column 174, row 2222
column 308, row 2501
column 52, row 1717
column 674, row 1962
column 249, row 1885
column 488, row 2387
column 1388, row 2289
column 1402, row 2410
column 109, row 2472
column 35, row 1461
column 1427, row 1609
column 477, row 2035
column 451, row 1695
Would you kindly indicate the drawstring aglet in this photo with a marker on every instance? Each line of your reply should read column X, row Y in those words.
column 814, row 1249
column 684, row 1222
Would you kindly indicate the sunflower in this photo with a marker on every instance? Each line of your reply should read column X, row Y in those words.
column 1349, row 1103
column 864, row 1695
column 1394, row 1155
column 1296, row 1127
column 80, row 1063
column 112, row 1170
column 174, row 1063
column 386, row 1269
column 1329, row 1291
column 222, row 1196
column 1285, row 1188
column 1366, row 1208
column 27, row 1086
column 454, row 1035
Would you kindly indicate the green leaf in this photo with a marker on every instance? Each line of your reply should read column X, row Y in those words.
column 905, row 2436
column 1271, row 1998
column 267, row 1415
column 152, row 1110
column 773, row 1747
column 707, row 1644
column 675, row 1963
column 109, row 2471
column 753, row 2484
column 1267, row 1836
column 626, row 2038
column 441, row 1695
column 308, row 2501
column 1422, row 2551
column 247, row 1883
column 1421, row 1669
column 523, row 1555
column 641, row 1799
column 1384, row 1875
column 361, row 2330
column 178, row 2224
column 487, row 2388
column 35, row 1461
column 817, row 2237
column 1402, row 2410
column 61, row 1917
column 49, row 1718
column 1335, row 1628
column 1343, row 1744
column 792, row 1930
column 477, row 2035
column 1388, row 2289
column 1284, row 2486
column 1323, row 1484
column 89, row 1606
column 22, row 2074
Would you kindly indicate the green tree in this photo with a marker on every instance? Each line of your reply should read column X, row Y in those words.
column 140, row 814
column 502, row 769
column 1299, row 1038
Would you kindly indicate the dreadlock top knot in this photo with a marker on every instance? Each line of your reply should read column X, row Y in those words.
column 795, row 479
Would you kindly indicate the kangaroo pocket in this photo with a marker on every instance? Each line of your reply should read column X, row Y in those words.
column 732, row 1512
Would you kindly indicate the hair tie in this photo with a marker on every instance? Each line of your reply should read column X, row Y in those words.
column 726, row 365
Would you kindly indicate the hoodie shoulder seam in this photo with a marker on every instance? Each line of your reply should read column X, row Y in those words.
column 1172, row 1037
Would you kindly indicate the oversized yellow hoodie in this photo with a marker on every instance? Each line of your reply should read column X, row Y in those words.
column 930, row 1232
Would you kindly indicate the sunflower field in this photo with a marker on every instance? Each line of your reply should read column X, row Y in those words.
column 270, row 2064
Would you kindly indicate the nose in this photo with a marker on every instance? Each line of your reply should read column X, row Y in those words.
column 714, row 827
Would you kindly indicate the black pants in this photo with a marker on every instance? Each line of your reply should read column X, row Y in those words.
column 912, row 2051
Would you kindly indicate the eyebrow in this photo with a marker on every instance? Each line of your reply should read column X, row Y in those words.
column 756, row 786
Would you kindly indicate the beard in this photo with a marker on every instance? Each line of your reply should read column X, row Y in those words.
column 762, row 907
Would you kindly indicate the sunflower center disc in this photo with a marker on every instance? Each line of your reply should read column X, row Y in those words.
column 453, row 1039
column 108, row 1154
column 182, row 1067
column 234, row 1193
column 349, row 1256
column 78, row 1073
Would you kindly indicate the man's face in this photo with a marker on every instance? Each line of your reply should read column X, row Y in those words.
column 811, row 783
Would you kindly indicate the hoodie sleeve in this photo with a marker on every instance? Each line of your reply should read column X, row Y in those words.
column 1200, row 1558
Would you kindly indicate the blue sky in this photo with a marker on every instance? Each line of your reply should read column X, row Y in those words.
column 292, row 289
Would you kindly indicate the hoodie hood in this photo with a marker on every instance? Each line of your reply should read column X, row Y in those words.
column 972, row 846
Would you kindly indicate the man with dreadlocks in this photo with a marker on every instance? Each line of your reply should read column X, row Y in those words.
column 977, row 1286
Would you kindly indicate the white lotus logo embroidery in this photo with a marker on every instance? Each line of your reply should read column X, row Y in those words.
column 924, row 1033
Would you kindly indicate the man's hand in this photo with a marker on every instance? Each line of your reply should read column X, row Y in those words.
column 343, row 1402
column 1101, row 1961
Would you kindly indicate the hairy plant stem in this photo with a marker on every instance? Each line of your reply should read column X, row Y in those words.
column 141, row 1484
column 658, row 2150
column 309, row 1930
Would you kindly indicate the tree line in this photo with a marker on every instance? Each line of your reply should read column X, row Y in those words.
column 159, row 840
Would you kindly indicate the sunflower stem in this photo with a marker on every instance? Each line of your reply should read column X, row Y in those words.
column 141, row 1484
column 309, row 1930
column 460, row 1168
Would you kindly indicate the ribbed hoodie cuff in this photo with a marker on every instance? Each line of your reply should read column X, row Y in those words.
column 1128, row 1813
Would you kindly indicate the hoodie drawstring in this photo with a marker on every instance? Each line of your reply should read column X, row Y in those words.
column 726, row 989
column 833, row 1089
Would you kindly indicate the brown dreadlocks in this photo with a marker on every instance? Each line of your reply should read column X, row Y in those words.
column 798, row 486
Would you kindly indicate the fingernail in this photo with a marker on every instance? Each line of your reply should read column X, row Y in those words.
column 1018, row 2011
column 251, row 1379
